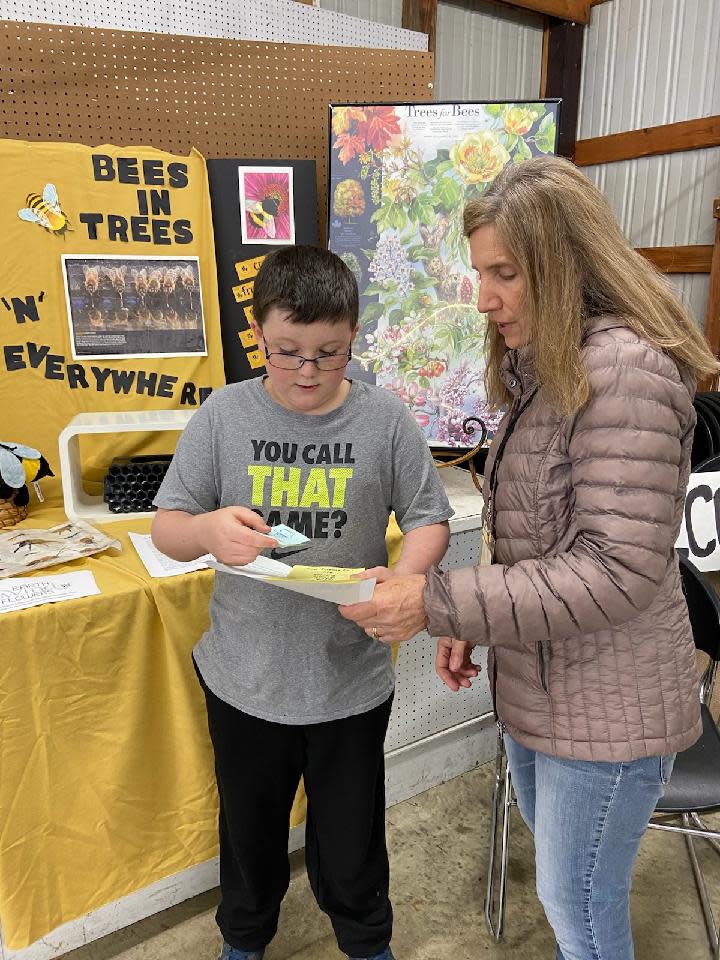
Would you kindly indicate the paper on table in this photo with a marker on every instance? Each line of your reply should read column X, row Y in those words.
column 159, row 564
column 16, row 593
column 24, row 550
column 333, row 584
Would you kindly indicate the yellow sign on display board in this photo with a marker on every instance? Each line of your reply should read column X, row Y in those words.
column 108, row 292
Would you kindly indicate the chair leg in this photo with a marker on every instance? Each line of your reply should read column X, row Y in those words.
column 502, row 799
column 712, row 833
column 702, row 887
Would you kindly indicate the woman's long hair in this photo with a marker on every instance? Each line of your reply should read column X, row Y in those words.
column 576, row 263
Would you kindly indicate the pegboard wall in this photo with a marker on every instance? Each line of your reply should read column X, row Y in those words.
column 279, row 21
column 423, row 706
column 228, row 98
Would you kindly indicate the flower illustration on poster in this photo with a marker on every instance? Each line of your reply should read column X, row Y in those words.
column 266, row 205
column 400, row 176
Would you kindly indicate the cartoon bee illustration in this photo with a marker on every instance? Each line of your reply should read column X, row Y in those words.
column 46, row 211
column 263, row 215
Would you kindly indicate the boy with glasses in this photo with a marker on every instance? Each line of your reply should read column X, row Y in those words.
column 291, row 687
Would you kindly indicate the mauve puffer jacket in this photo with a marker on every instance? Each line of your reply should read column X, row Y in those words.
column 592, row 654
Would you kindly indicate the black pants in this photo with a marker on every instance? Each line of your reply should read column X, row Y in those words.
column 258, row 765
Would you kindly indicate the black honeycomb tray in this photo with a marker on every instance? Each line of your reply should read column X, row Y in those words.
column 131, row 483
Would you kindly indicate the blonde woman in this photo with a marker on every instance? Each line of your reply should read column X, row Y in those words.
column 592, row 662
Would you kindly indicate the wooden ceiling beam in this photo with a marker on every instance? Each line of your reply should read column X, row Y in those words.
column 574, row 10
column 690, row 259
column 649, row 141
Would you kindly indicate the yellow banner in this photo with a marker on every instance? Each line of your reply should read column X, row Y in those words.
column 108, row 293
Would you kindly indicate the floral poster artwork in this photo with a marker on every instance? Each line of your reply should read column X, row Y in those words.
column 400, row 176
column 266, row 205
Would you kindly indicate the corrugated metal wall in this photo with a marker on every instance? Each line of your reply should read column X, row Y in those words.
column 380, row 11
column 650, row 62
column 488, row 52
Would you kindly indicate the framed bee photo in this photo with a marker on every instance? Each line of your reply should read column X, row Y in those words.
column 127, row 306
column 266, row 205
column 400, row 176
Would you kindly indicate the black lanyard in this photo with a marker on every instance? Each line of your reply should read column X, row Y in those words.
column 490, row 512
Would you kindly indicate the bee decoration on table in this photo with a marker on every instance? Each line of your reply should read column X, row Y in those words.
column 46, row 211
column 263, row 215
column 20, row 465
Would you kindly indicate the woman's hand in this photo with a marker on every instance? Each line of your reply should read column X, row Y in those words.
column 233, row 535
column 453, row 664
column 380, row 574
column 396, row 611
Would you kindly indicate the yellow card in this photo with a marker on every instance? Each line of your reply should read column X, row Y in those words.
column 322, row 574
column 248, row 268
column 243, row 292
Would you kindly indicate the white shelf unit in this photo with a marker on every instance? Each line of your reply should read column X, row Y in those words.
column 80, row 505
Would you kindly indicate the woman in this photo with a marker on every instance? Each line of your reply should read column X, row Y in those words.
column 592, row 662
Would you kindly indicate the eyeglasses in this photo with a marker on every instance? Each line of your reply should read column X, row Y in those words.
column 293, row 361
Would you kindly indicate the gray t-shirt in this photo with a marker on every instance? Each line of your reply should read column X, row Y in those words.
column 336, row 477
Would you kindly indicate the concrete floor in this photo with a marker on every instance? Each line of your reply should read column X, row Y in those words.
column 438, row 852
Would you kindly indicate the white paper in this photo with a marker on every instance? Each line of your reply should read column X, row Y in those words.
column 264, row 567
column 16, row 593
column 159, row 564
column 260, row 567
column 699, row 532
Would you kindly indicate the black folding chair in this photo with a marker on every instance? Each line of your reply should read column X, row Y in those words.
column 694, row 786
column 708, row 466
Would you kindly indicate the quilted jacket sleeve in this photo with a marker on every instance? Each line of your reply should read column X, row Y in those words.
column 628, row 450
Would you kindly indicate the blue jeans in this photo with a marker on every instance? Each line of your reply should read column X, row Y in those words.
column 587, row 818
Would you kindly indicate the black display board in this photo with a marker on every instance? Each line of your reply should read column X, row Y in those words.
column 237, row 261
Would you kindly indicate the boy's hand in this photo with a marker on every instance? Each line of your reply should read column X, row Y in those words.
column 453, row 664
column 234, row 535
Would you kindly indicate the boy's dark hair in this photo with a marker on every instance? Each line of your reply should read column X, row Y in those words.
column 312, row 284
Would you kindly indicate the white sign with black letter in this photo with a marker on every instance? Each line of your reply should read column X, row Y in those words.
column 700, row 530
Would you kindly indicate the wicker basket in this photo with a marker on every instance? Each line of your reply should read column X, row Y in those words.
column 11, row 514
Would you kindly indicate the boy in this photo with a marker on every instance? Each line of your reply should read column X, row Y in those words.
column 291, row 687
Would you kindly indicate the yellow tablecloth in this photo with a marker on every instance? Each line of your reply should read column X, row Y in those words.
column 106, row 772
